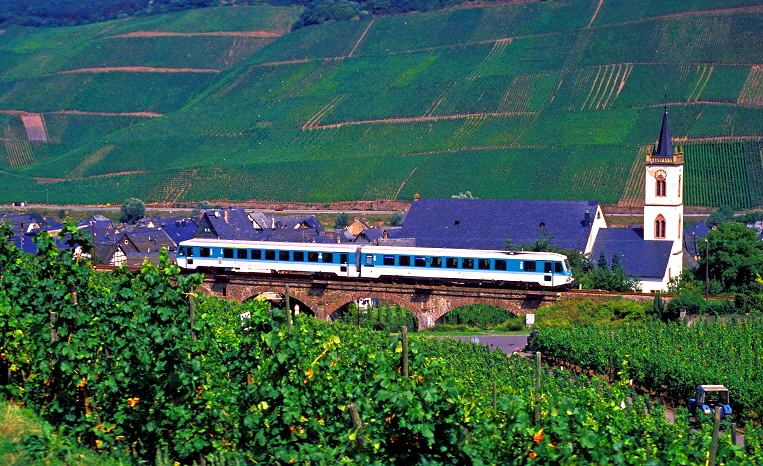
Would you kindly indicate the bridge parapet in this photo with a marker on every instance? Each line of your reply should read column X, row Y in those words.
column 427, row 302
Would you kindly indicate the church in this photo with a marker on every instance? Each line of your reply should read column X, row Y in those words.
column 653, row 253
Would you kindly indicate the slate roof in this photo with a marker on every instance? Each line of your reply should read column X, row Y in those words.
column 488, row 223
column 645, row 259
column 179, row 228
column 691, row 235
column 664, row 144
column 231, row 223
column 149, row 241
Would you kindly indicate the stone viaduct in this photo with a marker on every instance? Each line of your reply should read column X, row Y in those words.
column 428, row 302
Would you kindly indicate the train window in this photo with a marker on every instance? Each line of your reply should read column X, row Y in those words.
column 256, row 254
column 181, row 251
column 547, row 267
column 342, row 258
column 228, row 253
column 388, row 260
column 299, row 256
column 451, row 262
column 483, row 264
column 190, row 251
column 500, row 264
column 328, row 257
column 312, row 256
column 467, row 263
column 205, row 252
column 283, row 255
column 420, row 261
column 404, row 260
column 435, row 261
column 558, row 267
column 241, row 253
column 529, row 266
column 369, row 259
column 270, row 255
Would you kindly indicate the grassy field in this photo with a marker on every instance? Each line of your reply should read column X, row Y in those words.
column 534, row 101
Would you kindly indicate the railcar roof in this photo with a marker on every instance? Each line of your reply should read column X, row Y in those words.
column 527, row 255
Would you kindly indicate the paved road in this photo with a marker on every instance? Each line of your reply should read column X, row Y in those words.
column 505, row 343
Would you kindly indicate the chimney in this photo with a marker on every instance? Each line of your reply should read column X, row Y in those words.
column 587, row 218
column 385, row 235
column 226, row 214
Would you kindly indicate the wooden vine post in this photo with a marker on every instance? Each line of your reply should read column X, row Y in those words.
column 714, row 441
column 537, row 387
column 404, row 355
column 357, row 424
column 287, row 304
column 192, row 314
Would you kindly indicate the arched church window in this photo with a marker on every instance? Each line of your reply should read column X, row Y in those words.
column 660, row 185
column 659, row 227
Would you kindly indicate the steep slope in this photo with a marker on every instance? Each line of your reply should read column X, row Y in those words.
column 540, row 100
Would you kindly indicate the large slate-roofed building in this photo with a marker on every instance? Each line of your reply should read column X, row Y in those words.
column 489, row 223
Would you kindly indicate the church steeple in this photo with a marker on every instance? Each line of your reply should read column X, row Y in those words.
column 664, row 151
column 664, row 144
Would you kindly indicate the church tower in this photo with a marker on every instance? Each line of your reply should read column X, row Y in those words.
column 663, row 201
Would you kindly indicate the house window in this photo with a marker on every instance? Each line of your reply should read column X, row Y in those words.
column 405, row 260
column 659, row 227
column 500, row 264
column 435, row 261
column 283, row 255
column 660, row 188
column 299, row 256
column 241, row 253
column 451, row 262
column 483, row 264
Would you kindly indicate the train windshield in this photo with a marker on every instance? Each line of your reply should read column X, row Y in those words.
column 566, row 265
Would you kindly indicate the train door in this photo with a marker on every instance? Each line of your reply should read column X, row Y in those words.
column 548, row 272
column 344, row 269
column 358, row 261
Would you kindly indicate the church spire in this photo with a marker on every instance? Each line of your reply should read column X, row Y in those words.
column 664, row 144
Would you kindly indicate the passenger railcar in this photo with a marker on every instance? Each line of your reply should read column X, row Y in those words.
column 371, row 262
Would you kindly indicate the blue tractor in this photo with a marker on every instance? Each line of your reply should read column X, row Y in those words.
column 708, row 397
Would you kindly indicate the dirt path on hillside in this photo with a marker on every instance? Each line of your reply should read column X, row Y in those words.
column 104, row 175
column 413, row 119
column 139, row 69
column 194, row 34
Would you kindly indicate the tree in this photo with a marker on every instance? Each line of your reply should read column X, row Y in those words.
column 342, row 220
column 132, row 210
column 202, row 205
column 460, row 195
column 724, row 214
column 735, row 258
column 396, row 218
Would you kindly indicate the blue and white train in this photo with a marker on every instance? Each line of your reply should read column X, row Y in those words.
column 543, row 269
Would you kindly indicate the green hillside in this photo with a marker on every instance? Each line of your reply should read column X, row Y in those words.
column 542, row 100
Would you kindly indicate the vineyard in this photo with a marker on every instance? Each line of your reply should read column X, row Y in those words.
column 129, row 363
column 670, row 359
column 392, row 106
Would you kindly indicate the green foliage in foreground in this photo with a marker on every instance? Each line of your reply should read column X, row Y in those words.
column 670, row 358
column 117, row 362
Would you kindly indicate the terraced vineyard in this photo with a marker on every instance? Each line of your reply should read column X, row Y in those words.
column 540, row 100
